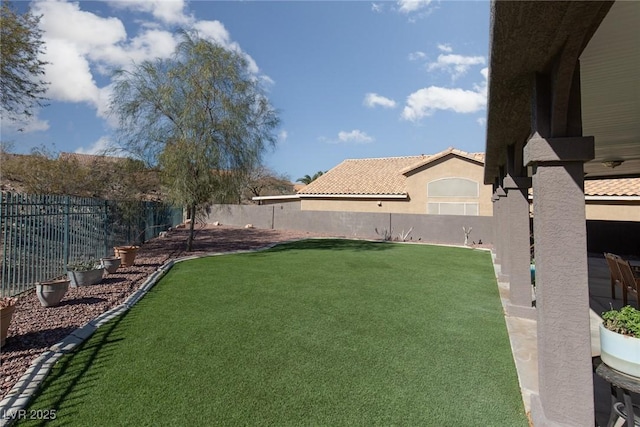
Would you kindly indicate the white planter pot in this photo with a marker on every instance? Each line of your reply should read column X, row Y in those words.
column 621, row 352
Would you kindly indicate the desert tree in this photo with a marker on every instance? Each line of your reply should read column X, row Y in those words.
column 21, row 69
column 201, row 116
column 263, row 181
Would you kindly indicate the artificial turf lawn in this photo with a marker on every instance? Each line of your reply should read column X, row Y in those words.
column 318, row 332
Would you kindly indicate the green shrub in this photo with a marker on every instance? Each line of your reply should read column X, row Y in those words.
column 85, row 265
column 625, row 321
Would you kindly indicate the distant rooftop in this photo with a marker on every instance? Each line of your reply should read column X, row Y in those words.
column 377, row 176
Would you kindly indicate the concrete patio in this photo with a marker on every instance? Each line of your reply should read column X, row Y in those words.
column 522, row 333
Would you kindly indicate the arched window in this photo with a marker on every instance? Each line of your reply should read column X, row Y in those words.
column 452, row 188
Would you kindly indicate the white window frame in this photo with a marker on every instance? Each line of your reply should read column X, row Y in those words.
column 466, row 206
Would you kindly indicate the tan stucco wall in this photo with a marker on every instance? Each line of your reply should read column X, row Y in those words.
column 351, row 205
column 448, row 167
column 613, row 211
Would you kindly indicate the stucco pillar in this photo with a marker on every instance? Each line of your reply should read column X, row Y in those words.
column 562, row 296
column 520, row 288
column 494, row 247
column 502, row 225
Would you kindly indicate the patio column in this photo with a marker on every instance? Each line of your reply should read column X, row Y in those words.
column 502, row 256
column 494, row 210
column 520, row 289
column 564, row 346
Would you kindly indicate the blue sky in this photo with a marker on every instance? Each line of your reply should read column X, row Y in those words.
column 351, row 79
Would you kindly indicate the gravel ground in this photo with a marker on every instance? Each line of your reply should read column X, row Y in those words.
column 35, row 328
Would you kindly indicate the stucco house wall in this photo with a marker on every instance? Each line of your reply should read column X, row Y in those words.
column 446, row 183
column 612, row 210
column 450, row 166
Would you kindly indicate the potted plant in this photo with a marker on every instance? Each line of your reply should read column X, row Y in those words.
column 85, row 273
column 620, row 340
column 7, row 307
column 127, row 254
column 110, row 263
column 51, row 292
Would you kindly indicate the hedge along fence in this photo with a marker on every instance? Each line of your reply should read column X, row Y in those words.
column 41, row 234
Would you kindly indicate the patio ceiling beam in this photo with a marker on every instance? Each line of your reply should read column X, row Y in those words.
column 529, row 38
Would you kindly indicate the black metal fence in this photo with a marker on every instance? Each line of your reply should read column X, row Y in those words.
column 41, row 234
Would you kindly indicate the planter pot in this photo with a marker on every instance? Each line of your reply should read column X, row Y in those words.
column 51, row 293
column 127, row 254
column 6, row 313
column 621, row 352
column 85, row 278
column 110, row 264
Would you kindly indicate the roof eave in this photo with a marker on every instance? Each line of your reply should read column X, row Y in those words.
column 354, row 196
column 524, row 38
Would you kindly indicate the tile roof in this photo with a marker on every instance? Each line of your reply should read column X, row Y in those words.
column 612, row 187
column 378, row 176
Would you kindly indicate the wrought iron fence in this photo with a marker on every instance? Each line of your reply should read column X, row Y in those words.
column 41, row 234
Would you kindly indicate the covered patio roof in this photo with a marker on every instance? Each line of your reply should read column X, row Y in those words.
column 563, row 106
column 529, row 37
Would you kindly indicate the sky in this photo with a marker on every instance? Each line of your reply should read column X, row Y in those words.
column 350, row 79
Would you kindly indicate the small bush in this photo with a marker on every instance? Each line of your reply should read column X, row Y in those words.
column 625, row 321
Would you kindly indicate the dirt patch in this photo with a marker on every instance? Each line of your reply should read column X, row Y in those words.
column 35, row 328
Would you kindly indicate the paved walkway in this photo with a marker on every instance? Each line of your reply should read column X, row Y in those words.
column 522, row 333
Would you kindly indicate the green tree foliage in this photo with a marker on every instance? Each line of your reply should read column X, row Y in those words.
column 201, row 116
column 307, row 179
column 43, row 172
column 21, row 70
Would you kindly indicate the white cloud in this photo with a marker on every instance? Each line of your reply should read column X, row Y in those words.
column 283, row 135
column 65, row 21
column 167, row 11
column 33, row 124
column 354, row 136
column 101, row 147
column 409, row 6
column 417, row 55
column 81, row 45
column 377, row 7
column 445, row 47
column 482, row 121
column 456, row 65
column 69, row 73
column 425, row 102
column 372, row 100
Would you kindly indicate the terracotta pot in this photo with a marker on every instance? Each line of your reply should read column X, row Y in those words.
column 51, row 293
column 85, row 278
column 110, row 264
column 5, row 319
column 127, row 254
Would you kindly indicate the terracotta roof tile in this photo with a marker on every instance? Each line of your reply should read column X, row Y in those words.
column 378, row 176
column 612, row 187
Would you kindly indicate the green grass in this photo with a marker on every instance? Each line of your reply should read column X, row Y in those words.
column 328, row 332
